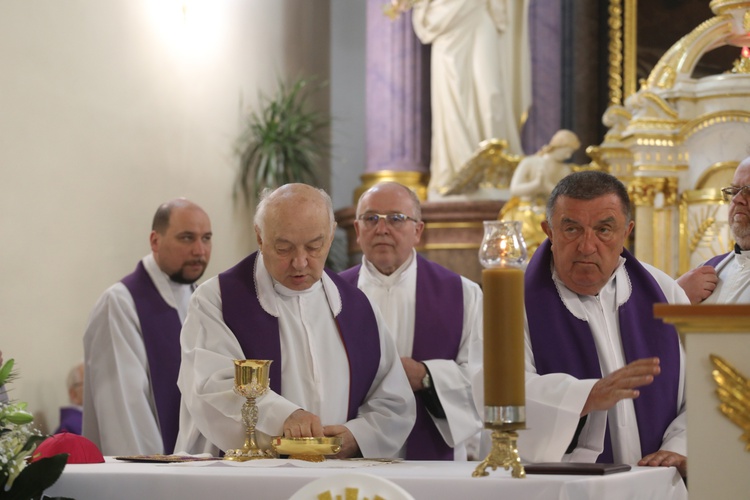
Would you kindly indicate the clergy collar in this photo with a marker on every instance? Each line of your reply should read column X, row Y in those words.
column 165, row 286
column 393, row 278
column 265, row 289
column 574, row 302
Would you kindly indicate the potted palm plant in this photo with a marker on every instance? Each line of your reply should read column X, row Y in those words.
column 282, row 141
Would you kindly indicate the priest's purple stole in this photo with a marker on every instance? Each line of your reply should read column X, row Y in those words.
column 160, row 327
column 563, row 344
column 438, row 325
column 71, row 420
column 258, row 332
column 715, row 261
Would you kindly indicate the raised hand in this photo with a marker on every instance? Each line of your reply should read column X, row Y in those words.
column 621, row 384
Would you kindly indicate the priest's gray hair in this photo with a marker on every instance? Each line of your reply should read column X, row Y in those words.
column 587, row 185
column 266, row 196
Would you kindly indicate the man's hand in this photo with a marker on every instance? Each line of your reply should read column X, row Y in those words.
column 415, row 372
column 349, row 446
column 664, row 458
column 302, row 423
column 699, row 283
column 621, row 384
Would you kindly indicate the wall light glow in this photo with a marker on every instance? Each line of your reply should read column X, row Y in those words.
column 195, row 28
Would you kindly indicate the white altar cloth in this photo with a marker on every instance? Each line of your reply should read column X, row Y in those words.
column 116, row 480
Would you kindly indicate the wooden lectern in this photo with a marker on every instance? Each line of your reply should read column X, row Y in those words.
column 718, row 465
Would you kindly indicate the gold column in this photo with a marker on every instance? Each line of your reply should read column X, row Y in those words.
column 642, row 193
column 665, row 220
column 653, row 229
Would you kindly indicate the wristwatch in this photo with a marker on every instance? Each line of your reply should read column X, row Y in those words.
column 426, row 380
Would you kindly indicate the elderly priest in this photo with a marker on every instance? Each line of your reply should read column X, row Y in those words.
column 335, row 370
column 604, row 379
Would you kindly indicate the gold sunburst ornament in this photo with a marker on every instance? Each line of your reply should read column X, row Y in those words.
column 733, row 390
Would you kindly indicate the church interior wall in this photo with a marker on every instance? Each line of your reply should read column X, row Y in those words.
column 109, row 109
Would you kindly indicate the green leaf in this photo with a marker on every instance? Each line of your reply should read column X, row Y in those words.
column 37, row 477
column 19, row 417
column 5, row 371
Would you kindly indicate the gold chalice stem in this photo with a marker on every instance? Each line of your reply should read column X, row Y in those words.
column 250, row 418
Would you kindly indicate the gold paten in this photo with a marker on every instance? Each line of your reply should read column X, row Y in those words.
column 733, row 390
column 311, row 449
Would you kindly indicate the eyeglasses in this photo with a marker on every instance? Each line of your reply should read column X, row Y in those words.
column 732, row 191
column 394, row 220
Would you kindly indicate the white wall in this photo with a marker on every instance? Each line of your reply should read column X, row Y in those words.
column 106, row 110
column 348, row 35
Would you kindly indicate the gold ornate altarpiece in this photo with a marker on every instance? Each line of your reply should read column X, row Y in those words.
column 674, row 142
column 677, row 139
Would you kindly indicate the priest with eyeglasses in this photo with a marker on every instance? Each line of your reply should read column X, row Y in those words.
column 433, row 314
column 725, row 279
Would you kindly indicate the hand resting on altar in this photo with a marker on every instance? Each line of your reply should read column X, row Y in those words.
column 664, row 458
column 302, row 423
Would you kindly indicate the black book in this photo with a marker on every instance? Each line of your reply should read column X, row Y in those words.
column 575, row 468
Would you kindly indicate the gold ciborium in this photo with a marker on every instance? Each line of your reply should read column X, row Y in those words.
column 251, row 380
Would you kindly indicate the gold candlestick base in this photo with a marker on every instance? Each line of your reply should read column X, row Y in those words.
column 504, row 452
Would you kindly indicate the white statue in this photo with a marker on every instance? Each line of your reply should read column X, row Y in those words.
column 537, row 175
column 533, row 180
column 481, row 77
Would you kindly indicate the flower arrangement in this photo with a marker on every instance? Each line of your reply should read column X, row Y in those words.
column 20, row 479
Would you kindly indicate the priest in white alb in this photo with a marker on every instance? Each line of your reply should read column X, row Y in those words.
column 432, row 313
column 335, row 370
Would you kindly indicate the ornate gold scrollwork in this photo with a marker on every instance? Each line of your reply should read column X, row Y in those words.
column 733, row 390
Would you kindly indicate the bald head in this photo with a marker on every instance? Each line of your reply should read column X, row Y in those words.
column 294, row 226
column 293, row 197
column 74, row 382
column 164, row 212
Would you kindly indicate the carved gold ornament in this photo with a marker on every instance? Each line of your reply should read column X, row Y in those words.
column 733, row 390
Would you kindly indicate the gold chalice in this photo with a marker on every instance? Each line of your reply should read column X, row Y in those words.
column 251, row 380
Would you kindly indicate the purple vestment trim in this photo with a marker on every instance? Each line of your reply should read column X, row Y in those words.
column 438, row 326
column 715, row 261
column 258, row 332
column 160, row 327
column 563, row 343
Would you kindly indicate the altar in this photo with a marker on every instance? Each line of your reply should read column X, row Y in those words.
column 117, row 480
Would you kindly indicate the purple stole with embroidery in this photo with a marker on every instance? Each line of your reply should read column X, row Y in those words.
column 715, row 261
column 563, row 343
column 160, row 327
column 258, row 332
column 438, row 324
